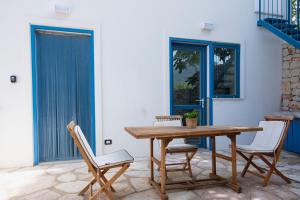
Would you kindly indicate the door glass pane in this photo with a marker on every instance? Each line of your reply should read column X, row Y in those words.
column 186, row 64
column 224, row 72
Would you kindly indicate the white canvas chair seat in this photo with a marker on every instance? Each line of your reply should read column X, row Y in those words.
column 265, row 141
column 116, row 158
column 180, row 146
column 252, row 149
column 100, row 165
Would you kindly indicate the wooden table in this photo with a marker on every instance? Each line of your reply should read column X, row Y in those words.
column 167, row 134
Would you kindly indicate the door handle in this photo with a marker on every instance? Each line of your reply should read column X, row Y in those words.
column 202, row 102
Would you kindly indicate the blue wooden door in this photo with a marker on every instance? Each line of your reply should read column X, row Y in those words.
column 188, row 83
column 296, row 135
column 293, row 138
column 64, row 92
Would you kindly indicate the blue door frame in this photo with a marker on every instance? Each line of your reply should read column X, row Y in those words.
column 33, row 29
column 179, row 43
column 210, row 45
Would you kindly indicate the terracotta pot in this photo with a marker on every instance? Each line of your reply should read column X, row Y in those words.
column 191, row 123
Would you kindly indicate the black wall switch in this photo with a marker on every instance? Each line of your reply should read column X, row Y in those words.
column 13, row 79
column 108, row 142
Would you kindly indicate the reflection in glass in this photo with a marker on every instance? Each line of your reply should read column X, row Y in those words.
column 185, row 76
column 224, row 71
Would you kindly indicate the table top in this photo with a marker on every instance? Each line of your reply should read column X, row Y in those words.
column 183, row 132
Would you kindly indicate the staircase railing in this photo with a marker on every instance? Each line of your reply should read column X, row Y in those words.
column 278, row 9
column 282, row 17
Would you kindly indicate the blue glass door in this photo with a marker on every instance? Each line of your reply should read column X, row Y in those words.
column 64, row 92
column 188, row 83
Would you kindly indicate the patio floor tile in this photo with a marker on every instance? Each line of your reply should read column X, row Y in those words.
column 64, row 180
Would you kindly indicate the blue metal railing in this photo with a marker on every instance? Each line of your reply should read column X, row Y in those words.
column 280, row 9
column 283, row 15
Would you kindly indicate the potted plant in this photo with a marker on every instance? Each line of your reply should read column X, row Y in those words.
column 191, row 119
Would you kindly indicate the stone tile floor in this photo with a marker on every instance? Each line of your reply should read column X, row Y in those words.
column 64, row 180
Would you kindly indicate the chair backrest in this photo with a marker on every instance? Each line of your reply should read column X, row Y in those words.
column 83, row 146
column 172, row 120
column 270, row 137
column 287, row 119
column 275, row 129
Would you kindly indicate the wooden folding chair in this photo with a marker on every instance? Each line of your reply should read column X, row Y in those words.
column 177, row 146
column 267, row 143
column 100, row 165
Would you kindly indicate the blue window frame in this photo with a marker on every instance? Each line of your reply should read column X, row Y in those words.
column 225, row 70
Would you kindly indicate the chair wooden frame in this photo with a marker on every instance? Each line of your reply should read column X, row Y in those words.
column 275, row 155
column 97, row 172
column 189, row 152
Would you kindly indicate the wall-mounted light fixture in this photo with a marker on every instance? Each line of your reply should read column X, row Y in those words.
column 207, row 26
column 62, row 9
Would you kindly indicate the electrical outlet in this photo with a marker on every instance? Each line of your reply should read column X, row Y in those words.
column 108, row 142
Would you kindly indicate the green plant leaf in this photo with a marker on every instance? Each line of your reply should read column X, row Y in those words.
column 191, row 115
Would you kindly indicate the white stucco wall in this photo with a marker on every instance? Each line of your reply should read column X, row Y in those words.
column 132, row 65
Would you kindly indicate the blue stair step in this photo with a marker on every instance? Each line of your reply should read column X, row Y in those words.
column 275, row 20
column 291, row 31
column 296, row 36
column 283, row 29
column 284, row 26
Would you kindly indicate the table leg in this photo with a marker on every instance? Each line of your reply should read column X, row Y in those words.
column 164, row 144
column 151, row 160
column 213, row 155
column 234, row 185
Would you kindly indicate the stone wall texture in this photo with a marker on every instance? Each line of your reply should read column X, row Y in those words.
column 290, row 78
